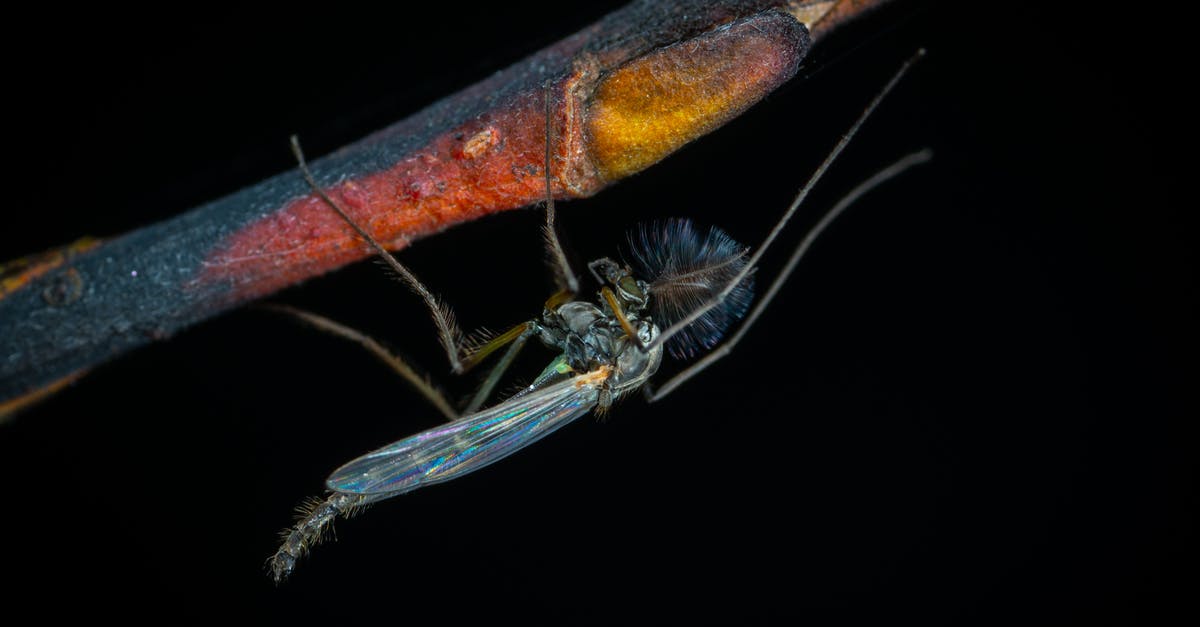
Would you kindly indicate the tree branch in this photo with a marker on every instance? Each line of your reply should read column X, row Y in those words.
column 625, row 92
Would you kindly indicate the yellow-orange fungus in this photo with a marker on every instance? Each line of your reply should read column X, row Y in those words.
column 653, row 105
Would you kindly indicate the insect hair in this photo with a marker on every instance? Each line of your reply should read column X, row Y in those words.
column 686, row 268
column 314, row 524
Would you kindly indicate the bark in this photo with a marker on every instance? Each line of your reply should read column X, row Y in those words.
column 624, row 93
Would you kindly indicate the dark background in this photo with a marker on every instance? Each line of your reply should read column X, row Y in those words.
column 968, row 406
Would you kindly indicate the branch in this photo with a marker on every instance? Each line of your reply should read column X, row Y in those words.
column 624, row 93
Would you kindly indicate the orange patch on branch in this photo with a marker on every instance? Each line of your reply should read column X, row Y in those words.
column 18, row 273
column 653, row 105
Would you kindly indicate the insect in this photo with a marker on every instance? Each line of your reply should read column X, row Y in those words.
column 688, row 289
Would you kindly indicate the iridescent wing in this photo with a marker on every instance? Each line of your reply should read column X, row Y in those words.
column 468, row 444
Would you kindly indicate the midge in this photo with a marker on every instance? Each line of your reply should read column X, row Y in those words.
column 686, row 289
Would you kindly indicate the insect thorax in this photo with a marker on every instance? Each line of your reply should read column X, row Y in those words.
column 590, row 337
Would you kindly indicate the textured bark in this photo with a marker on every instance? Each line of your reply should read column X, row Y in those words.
column 625, row 92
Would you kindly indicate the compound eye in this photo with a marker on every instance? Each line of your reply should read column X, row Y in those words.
column 631, row 290
column 605, row 270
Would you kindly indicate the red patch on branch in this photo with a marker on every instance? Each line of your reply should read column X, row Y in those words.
column 490, row 164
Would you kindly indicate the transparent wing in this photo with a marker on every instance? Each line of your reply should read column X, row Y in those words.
column 468, row 444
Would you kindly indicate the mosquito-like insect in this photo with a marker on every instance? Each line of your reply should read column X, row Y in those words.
column 689, row 289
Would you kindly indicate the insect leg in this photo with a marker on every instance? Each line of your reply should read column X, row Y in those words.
column 619, row 313
column 398, row 365
column 558, row 298
column 448, row 332
column 515, row 338
column 883, row 175
column 563, row 274
column 787, row 215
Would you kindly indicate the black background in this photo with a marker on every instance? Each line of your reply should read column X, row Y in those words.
column 967, row 406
